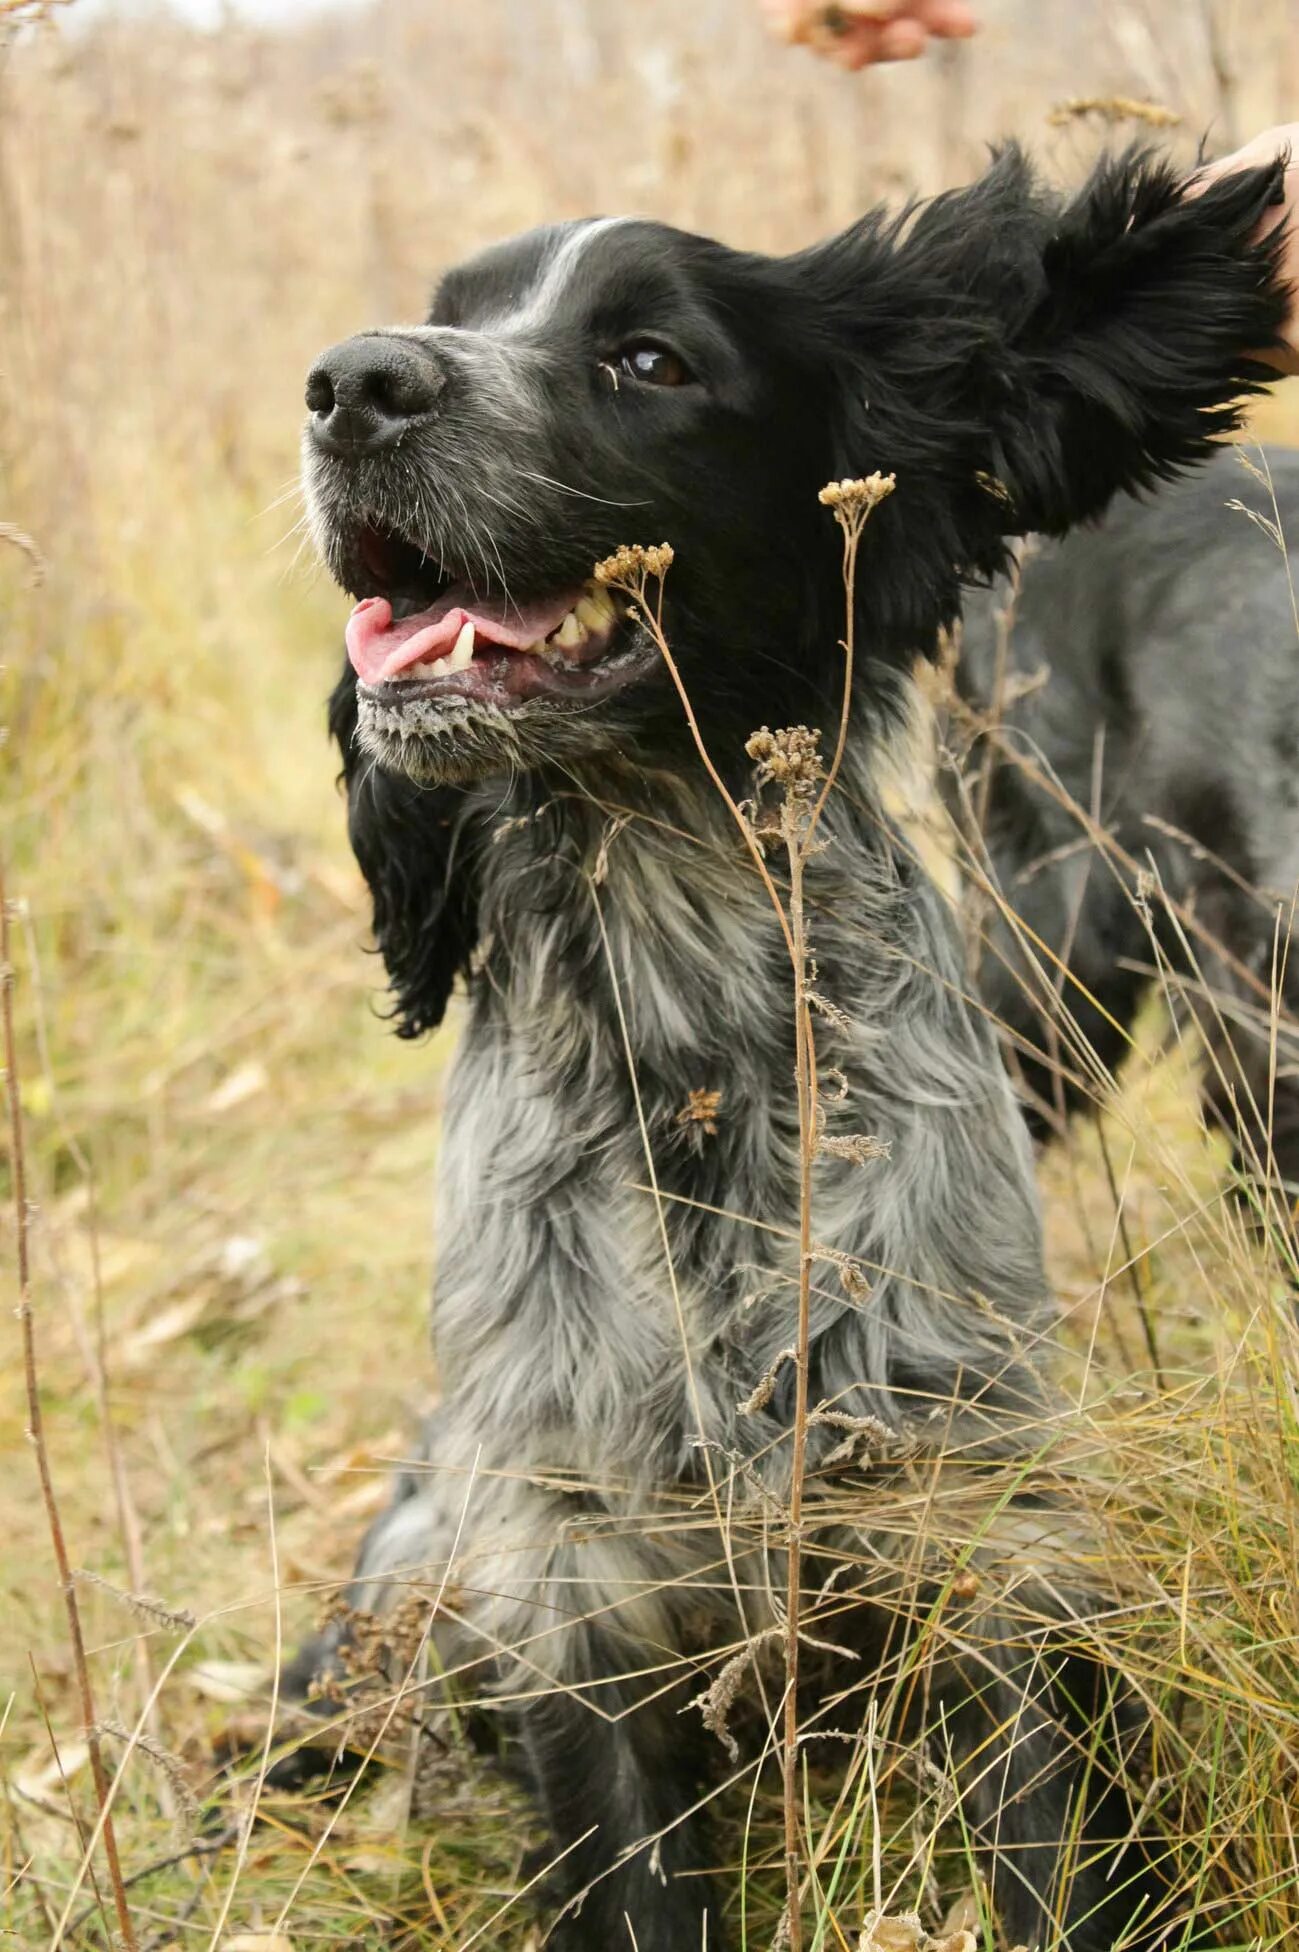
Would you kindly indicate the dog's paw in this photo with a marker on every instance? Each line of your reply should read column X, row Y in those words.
column 302, row 1725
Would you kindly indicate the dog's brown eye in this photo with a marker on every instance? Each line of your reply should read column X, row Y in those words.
column 654, row 365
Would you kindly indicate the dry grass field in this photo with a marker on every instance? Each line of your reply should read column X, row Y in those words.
column 228, row 1156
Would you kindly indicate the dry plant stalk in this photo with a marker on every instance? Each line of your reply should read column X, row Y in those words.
column 19, row 539
column 36, row 1429
column 1113, row 109
column 94, row 1354
column 789, row 759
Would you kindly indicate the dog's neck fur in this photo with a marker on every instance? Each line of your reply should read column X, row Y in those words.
column 631, row 961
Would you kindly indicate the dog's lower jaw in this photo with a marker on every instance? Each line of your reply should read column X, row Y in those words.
column 450, row 743
column 454, row 742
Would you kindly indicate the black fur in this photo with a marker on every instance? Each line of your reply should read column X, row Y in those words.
column 404, row 840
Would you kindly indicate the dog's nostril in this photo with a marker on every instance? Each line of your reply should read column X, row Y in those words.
column 402, row 390
column 320, row 392
column 364, row 393
column 381, row 390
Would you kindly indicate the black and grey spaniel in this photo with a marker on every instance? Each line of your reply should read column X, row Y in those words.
column 597, row 1520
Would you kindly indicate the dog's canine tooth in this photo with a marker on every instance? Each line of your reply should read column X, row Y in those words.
column 463, row 654
column 590, row 614
column 596, row 598
column 571, row 632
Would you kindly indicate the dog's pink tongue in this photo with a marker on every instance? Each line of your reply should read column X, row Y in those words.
column 381, row 647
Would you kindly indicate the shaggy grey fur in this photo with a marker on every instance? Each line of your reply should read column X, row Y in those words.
column 1151, row 687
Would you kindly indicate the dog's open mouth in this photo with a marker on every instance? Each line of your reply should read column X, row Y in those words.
column 426, row 635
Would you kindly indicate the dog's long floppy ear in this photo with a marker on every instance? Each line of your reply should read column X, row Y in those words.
column 1018, row 358
column 408, row 844
column 1129, row 320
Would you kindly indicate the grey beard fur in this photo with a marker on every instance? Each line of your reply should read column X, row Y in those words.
column 453, row 742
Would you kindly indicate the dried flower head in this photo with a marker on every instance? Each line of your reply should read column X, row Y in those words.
column 19, row 538
column 717, row 1700
column 824, row 1007
column 701, row 1108
column 993, row 485
column 866, row 1439
column 858, row 495
column 854, row 1282
column 765, row 1387
column 789, row 758
column 377, row 1654
column 632, row 562
column 176, row 1619
column 903, row 1932
column 860, row 1147
column 140, row 1742
column 1112, row 109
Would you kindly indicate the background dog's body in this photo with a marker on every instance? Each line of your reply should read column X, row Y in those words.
column 1147, row 724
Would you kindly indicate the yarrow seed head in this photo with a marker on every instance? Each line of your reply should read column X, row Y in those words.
column 860, row 495
column 701, row 1108
column 789, row 758
column 633, row 560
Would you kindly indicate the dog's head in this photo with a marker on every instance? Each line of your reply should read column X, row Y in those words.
column 1014, row 360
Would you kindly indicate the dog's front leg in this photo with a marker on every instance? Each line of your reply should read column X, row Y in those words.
column 1036, row 1735
column 567, row 1628
column 614, row 1771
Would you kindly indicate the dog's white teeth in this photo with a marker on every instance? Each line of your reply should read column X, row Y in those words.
column 463, row 654
column 597, row 607
column 427, row 668
column 593, row 615
column 590, row 615
column 570, row 634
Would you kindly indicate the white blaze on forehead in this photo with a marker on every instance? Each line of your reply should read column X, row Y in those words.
column 554, row 275
column 532, row 307
column 496, row 349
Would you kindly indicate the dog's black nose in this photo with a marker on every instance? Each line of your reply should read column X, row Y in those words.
column 364, row 393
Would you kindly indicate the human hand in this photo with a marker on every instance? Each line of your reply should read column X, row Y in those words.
column 1265, row 149
column 857, row 33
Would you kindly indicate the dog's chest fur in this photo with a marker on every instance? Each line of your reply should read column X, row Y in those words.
column 626, row 969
